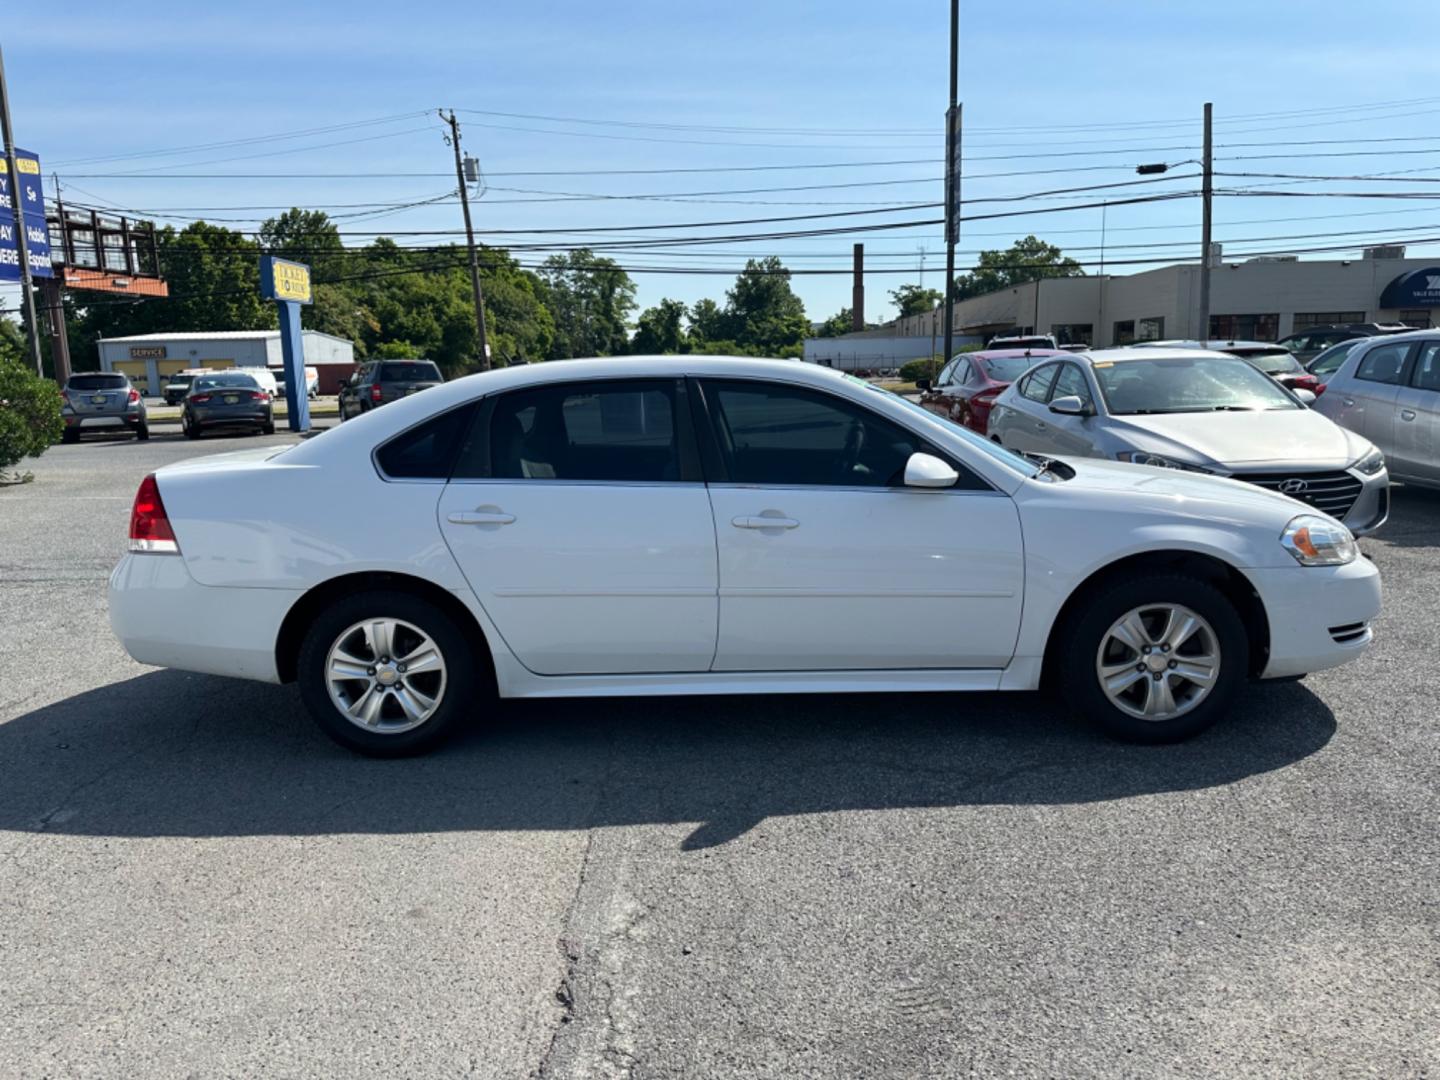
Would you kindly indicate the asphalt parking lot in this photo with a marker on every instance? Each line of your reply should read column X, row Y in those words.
column 194, row 881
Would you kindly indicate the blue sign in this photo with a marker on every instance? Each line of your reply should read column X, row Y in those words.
column 31, row 192
column 1417, row 289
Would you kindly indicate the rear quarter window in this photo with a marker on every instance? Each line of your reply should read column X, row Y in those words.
column 428, row 450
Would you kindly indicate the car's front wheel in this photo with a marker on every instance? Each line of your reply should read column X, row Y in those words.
column 1155, row 658
column 386, row 673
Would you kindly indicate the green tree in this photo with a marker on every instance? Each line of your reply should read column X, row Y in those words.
column 1030, row 259
column 590, row 299
column 913, row 300
column 29, row 407
column 708, row 323
column 764, row 311
column 659, row 330
column 842, row 322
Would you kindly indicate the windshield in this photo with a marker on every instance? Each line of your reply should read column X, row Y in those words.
column 1009, row 368
column 1276, row 363
column 97, row 382
column 214, row 382
column 1187, row 384
column 410, row 371
column 985, row 446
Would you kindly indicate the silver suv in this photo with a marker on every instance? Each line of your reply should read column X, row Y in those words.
column 102, row 399
column 1388, row 389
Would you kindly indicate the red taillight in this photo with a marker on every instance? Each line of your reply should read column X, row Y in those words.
column 149, row 526
column 134, row 396
column 259, row 395
column 1319, row 389
column 199, row 399
column 987, row 396
column 375, row 392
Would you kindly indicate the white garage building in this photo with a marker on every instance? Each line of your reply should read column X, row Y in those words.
column 149, row 359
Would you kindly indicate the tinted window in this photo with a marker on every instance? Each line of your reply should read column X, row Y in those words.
column 1427, row 367
column 1383, row 363
column 1071, row 382
column 1036, row 387
column 1008, row 368
column 786, row 435
column 409, row 371
column 619, row 431
column 211, row 382
column 427, row 451
column 1278, row 363
column 97, row 382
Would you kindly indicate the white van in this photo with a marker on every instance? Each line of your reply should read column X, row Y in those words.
column 263, row 376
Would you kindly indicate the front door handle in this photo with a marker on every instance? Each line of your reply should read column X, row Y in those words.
column 1407, row 414
column 1349, row 402
column 764, row 521
column 480, row 517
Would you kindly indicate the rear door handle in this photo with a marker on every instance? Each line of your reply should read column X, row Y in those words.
column 760, row 521
column 480, row 517
column 1407, row 414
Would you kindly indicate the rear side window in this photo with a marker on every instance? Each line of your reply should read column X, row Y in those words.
column 409, row 371
column 1036, row 386
column 428, row 450
column 97, row 382
column 627, row 431
column 1383, row 364
column 1427, row 367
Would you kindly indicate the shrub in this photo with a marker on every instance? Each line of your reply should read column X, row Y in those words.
column 29, row 415
column 926, row 367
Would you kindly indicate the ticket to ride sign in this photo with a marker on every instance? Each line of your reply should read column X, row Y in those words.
column 281, row 279
column 31, row 192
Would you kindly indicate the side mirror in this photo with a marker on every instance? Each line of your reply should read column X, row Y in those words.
column 1069, row 405
column 1306, row 397
column 923, row 385
column 928, row 471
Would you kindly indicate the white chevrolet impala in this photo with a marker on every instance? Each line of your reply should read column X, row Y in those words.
column 702, row 525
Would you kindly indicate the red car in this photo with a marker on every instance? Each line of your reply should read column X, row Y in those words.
column 968, row 385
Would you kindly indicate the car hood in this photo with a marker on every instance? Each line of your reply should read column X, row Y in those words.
column 1238, row 439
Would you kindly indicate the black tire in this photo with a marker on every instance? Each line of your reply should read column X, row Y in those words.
column 142, row 432
column 269, row 428
column 189, row 429
column 1084, row 636
column 70, row 435
column 462, row 681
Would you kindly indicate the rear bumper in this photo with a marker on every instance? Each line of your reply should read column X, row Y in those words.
column 1320, row 617
column 163, row 616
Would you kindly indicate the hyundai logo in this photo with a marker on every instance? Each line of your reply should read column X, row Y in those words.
column 1294, row 486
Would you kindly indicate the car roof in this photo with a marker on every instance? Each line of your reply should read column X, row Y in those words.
column 1010, row 354
column 1126, row 353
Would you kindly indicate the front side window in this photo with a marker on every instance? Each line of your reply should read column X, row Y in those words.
column 1329, row 361
column 624, row 432
column 1427, row 367
column 788, row 436
column 961, row 374
column 1036, row 386
column 1383, row 364
column 1071, row 383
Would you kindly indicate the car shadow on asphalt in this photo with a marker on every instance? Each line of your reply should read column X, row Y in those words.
column 175, row 754
column 1414, row 518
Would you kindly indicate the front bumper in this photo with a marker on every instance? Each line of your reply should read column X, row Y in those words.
column 163, row 616
column 1320, row 616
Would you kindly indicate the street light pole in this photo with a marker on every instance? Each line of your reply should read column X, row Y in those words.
column 470, row 241
column 17, row 209
column 952, row 178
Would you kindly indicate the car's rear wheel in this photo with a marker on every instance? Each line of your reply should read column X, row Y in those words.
column 143, row 431
column 190, row 428
column 1156, row 658
column 386, row 673
column 268, row 428
column 70, row 435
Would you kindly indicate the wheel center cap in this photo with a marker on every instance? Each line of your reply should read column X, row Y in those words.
column 1157, row 662
column 386, row 674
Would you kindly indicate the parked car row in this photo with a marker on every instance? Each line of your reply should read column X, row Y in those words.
column 271, row 380
column 698, row 525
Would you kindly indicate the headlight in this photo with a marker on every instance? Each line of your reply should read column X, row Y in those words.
column 1318, row 541
column 1371, row 463
column 1144, row 457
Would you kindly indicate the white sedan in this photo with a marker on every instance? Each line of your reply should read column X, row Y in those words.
column 704, row 525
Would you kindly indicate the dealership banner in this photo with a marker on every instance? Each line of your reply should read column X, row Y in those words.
column 30, row 190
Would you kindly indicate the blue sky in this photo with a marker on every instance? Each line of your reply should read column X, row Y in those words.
column 1057, row 95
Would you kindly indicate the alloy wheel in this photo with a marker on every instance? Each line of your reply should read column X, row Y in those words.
column 385, row 675
column 1158, row 661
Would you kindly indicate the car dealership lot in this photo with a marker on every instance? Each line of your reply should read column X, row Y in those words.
column 192, row 879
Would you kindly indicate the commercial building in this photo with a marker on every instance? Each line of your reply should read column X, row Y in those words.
column 1258, row 300
column 149, row 359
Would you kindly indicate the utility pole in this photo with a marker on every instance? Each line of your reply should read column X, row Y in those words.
column 857, row 290
column 470, row 241
column 952, row 178
column 22, row 247
column 1206, row 192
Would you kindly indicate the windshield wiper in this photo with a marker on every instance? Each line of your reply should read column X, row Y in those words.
column 1233, row 408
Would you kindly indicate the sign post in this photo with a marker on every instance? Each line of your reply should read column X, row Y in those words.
column 288, row 284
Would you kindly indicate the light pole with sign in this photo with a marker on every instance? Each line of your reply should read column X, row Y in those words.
column 288, row 284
